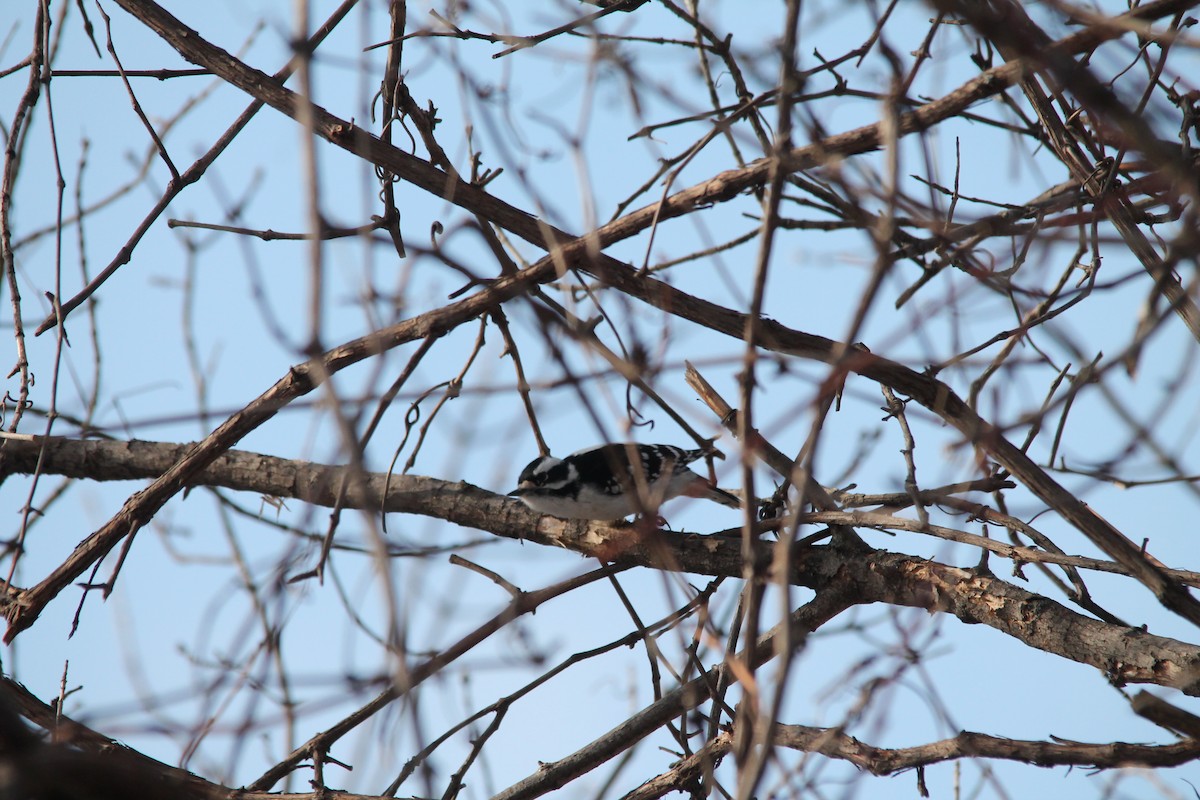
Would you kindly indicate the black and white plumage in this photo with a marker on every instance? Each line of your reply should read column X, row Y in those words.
column 600, row 483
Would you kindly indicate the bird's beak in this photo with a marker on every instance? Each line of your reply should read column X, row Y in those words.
column 517, row 492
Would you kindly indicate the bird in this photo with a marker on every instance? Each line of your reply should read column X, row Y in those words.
column 600, row 483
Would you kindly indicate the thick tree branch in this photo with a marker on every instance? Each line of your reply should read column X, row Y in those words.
column 833, row 743
column 1125, row 655
column 78, row 761
column 884, row 761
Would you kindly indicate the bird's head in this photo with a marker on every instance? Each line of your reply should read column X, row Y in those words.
column 542, row 474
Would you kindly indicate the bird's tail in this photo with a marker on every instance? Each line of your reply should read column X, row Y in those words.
column 702, row 488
